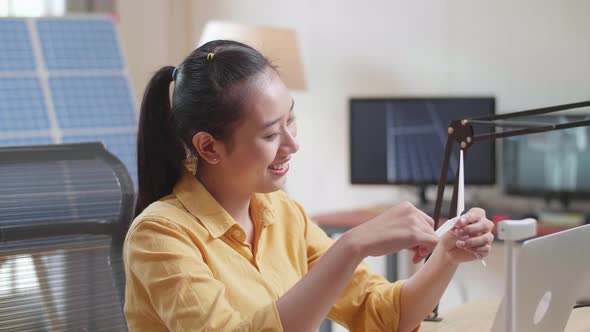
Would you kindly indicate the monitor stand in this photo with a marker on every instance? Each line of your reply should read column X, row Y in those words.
column 564, row 199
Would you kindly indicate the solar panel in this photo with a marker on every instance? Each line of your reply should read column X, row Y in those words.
column 65, row 80
column 22, row 105
column 20, row 141
column 79, row 44
column 16, row 52
column 90, row 102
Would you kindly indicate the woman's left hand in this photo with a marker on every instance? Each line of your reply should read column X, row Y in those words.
column 472, row 234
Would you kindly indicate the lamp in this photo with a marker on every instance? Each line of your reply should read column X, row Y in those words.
column 277, row 44
column 462, row 132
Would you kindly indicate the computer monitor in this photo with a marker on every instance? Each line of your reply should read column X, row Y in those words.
column 552, row 164
column 402, row 140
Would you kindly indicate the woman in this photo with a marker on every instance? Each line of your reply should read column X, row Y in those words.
column 215, row 244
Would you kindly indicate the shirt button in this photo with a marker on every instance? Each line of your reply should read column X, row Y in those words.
column 237, row 233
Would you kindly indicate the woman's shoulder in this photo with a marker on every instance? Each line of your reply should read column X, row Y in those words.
column 168, row 210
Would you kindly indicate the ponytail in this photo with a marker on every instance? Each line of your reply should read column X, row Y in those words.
column 208, row 97
column 159, row 152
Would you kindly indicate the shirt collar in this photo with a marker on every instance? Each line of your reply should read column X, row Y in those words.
column 203, row 206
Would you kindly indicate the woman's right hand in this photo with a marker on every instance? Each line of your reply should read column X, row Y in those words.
column 402, row 226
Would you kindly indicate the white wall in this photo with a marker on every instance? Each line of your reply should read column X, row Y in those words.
column 154, row 34
column 527, row 53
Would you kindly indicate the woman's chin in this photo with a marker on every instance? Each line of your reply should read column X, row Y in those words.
column 272, row 186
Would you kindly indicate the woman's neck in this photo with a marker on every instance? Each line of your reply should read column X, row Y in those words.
column 236, row 203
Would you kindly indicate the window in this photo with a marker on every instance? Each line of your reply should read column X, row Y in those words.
column 32, row 8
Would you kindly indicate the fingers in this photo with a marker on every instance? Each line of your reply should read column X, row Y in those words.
column 414, row 210
column 476, row 228
column 424, row 238
column 417, row 258
column 483, row 250
column 419, row 254
column 473, row 216
column 422, row 228
column 426, row 217
column 475, row 242
column 430, row 242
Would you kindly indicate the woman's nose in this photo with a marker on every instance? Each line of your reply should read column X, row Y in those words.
column 291, row 144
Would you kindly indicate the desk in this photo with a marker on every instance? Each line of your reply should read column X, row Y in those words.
column 479, row 317
column 351, row 218
column 340, row 221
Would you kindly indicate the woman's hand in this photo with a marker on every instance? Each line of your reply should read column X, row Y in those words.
column 401, row 227
column 472, row 234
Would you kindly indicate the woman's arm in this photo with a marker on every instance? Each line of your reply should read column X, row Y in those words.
column 421, row 292
column 308, row 302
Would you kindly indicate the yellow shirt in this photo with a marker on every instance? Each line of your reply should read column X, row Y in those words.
column 188, row 267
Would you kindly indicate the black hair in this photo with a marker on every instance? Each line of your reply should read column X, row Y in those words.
column 210, row 91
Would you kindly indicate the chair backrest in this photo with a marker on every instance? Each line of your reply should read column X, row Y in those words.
column 62, row 214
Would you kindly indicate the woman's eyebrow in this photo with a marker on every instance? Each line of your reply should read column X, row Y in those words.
column 269, row 124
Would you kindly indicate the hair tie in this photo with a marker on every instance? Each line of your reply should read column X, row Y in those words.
column 174, row 73
column 210, row 56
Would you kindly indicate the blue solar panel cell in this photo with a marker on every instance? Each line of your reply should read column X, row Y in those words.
column 22, row 105
column 71, row 44
column 20, row 141
column 121, row 145
column 16, row 52
column 92, row 102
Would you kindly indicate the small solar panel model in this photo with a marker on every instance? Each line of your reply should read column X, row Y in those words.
column 64, row 80
column 402, row 141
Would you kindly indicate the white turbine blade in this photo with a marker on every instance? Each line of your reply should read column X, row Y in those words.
column 461, row 190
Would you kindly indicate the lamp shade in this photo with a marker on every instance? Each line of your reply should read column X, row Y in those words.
column 279, row 45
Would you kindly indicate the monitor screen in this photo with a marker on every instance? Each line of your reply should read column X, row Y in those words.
column 551, row 162
column 402, row 140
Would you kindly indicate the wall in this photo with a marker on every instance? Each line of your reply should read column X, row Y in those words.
column 154, row 34
column 528, row 54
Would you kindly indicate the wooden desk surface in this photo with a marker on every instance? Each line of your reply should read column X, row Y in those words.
column 479, row 317
column 352, row 218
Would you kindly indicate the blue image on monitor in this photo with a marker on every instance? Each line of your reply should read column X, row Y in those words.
column 402, row 140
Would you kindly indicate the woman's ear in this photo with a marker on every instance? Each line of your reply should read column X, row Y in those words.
column 208, row 147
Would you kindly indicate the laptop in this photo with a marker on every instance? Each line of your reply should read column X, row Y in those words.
column 552, row 274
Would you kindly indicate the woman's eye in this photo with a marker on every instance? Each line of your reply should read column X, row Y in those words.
column 291, row 120
column 271, row 136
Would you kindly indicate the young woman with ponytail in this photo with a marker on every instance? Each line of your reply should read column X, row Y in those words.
column 217, row 246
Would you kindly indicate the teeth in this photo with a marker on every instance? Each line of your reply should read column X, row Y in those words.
column 279, row 166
